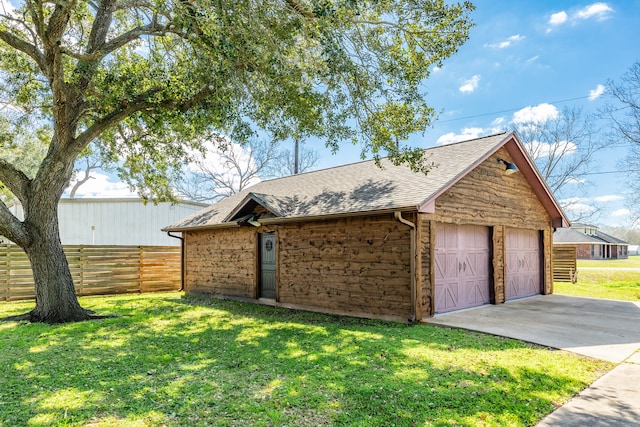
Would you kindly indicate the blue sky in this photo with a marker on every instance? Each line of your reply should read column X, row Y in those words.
column 522, row 55
column 523, row 58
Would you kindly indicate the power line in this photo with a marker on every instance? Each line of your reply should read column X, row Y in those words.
column 599, row 173
column 506, row 111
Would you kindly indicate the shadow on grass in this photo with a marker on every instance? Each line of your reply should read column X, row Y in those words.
column 192, row 361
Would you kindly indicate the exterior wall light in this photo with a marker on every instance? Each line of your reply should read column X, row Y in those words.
column 510, row 168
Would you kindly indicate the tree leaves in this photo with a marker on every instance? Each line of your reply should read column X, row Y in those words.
column 145, row 79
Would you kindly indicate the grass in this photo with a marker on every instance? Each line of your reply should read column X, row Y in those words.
column 631, row 262
column 607, row 279
column 169, row 360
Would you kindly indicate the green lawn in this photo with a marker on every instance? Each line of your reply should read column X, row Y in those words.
column 608, row 279
column 631, row 262
column 167, row 360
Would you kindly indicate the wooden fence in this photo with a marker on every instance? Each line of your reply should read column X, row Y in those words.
column 564, row 264
column 97, row 270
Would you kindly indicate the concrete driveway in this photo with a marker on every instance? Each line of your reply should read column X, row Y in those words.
column 603, row 329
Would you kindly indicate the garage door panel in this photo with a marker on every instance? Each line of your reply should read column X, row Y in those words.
column 478, row 293
column 461, row 267
column 447, row 295
column 446, row 238
column 446, row 265
column 476, row 264
column 523, row 264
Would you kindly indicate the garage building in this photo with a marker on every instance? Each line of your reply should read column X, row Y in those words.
column 382, row 242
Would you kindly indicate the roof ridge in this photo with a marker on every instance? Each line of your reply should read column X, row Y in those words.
column 383, row 158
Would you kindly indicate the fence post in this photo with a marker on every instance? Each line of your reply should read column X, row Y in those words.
column 140, row 269
column 8, row 288
column 5, row 249
column 81, row 268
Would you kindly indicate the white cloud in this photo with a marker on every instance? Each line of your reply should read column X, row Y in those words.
column 558, row 18
column 599, row 11
column 505, row 43
column 595, row 10
column 578, row 209
column 575, row 180
column 498, row 121
column 470, row 85
column 596, row 93
column 533, row 59
column 574, row 200
column 577, row 206
column 538, row 114
column 101, row 185
column 621, row 213
column 539, row 149
column 608, row 198
column 467, row 133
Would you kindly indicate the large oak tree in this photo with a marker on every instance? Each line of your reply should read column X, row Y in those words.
column 138, row 78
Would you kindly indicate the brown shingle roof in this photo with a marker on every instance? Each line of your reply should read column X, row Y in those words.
column 354, row 188
column 569, row 235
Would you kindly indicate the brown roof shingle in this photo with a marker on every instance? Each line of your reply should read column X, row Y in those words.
column 358, row 187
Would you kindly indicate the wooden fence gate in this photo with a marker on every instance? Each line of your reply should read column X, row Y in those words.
column 564, row 264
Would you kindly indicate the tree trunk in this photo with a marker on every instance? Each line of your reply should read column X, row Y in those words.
column 56, row 300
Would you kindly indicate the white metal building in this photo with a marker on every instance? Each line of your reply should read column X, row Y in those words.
column 124, row 221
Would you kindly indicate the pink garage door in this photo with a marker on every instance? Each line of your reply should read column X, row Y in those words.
column 461, row 267
column 523, row 264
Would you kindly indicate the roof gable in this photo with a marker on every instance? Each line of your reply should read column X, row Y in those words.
column 249, row 204
column 365, row 187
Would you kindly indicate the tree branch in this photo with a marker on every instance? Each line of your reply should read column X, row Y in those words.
column 129, row 4
column 101, row 24
column 15, row 180
column 87, row 176
column 82, row 56
column 58, row 22
column 24, row 47
column 37, row 14
column 153, row 29
column 11, row 227
column 110, row 120
column 140, row 103
column 301, row 9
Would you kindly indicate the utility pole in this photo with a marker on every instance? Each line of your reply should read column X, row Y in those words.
column 296, row 162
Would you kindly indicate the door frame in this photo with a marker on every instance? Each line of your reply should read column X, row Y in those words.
column 259, row 270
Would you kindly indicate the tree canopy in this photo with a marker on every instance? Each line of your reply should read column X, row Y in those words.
column 143, row 78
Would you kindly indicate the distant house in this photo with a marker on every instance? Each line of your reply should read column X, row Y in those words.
column 117, row 221
column 590, row 242
column 386, row 242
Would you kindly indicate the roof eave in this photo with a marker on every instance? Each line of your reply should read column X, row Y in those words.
column 201, row 227
column 323, row 217
column 283, row 220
